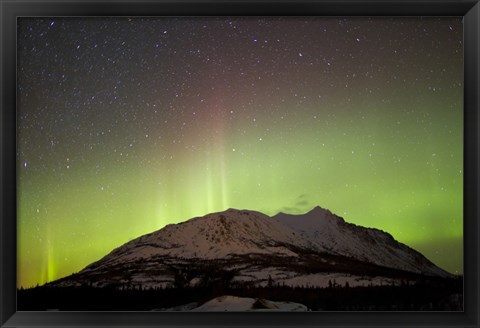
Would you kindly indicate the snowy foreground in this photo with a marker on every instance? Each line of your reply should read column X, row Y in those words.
column 237, row 304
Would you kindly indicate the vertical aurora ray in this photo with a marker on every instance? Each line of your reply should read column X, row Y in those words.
column 50, row 268
column 127, row 125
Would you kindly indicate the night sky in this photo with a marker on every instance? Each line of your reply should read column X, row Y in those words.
column 128, row 124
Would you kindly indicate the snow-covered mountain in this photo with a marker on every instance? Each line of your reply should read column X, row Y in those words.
column 241, row 246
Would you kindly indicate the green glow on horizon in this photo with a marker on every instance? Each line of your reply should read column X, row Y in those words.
column 395, row 165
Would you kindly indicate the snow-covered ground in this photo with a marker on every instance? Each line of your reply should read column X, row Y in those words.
column 234, row 303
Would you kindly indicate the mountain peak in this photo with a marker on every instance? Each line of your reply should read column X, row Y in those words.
column 319, row 210
column 233, row 210
column 317, row 213
column 237, row 213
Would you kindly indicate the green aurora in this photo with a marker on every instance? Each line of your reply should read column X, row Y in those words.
column 116, row 138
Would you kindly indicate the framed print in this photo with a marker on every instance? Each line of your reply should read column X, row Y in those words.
column 224, row 163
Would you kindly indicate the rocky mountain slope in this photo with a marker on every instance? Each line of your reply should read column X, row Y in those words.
column 248, row 247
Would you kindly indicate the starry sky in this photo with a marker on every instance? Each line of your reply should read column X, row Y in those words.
column 128, row 124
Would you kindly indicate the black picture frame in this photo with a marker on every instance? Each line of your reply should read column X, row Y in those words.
column 10, row 10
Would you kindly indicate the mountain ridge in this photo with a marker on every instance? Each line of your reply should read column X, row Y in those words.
column 249, row 244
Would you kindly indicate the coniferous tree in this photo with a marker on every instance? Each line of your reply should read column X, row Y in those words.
column 270, row 281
